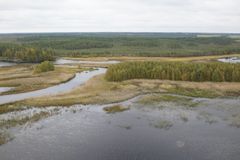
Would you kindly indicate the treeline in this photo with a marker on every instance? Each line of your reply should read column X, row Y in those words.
column 178, row 71
column 152, row 44
column 25, row 54
column 127, row 44
column 71, row 45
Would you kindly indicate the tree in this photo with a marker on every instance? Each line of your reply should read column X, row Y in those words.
column 44, row 67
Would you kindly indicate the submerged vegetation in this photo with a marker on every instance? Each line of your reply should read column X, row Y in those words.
column 162, row 124
column 178, row 71
column 115, row 109
column 27, row 119
column 5, row 137
column 44, row 67
column 235, row 120
column 152, row 99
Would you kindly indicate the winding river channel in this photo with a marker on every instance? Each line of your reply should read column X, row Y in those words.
column 79, row 79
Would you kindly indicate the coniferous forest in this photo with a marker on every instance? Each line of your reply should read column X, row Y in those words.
column 124, row 44
column 25, row 54
column 179, row 71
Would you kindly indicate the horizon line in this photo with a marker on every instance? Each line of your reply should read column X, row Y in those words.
column 48, row 32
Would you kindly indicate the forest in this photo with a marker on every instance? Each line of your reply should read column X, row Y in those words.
column 125, row 44
column 178, row 71
column 19, row 53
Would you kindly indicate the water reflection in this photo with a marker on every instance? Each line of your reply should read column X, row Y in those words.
column 6, row 64
column 61, row 61
column 5, row 89
column 88, row 132
column 230, row 60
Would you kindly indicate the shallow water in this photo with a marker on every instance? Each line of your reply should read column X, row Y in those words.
column 90, row 133
column 5, row 89
column 6, row 64
column 67, row 61
column 230, row 60
column 79, row 79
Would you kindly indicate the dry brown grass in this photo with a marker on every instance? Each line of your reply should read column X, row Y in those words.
column 99, row 91
column 96, row 90
column 22, row 78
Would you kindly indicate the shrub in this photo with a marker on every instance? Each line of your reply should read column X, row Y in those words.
column 44, row 67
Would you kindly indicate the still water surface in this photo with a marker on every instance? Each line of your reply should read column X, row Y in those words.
column 230, row 60
column 6, row 64
column 61, row 61
column 87, row 132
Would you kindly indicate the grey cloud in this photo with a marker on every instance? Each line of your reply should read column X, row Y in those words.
column 115, row 15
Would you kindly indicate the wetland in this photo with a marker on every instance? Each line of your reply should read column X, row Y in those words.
column 111, row 100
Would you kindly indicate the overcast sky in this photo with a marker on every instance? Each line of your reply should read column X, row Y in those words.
column 119, row 16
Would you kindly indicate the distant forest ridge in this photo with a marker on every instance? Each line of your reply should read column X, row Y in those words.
column 125, row 44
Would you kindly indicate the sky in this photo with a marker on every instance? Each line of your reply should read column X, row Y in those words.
column 119, row 16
